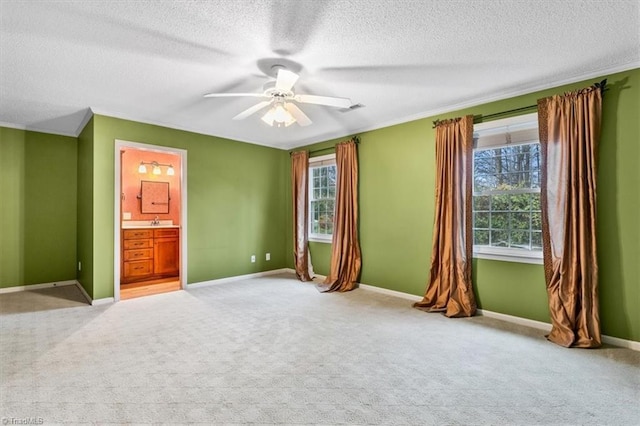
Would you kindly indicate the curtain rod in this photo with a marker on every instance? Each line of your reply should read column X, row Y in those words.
column 356, row 139
column 478, row 118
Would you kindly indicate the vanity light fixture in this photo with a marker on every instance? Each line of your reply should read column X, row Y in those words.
column 156, row 168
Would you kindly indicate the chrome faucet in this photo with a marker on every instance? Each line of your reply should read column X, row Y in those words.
column 155, row 221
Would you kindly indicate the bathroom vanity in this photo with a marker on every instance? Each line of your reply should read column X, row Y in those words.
column 149, row 252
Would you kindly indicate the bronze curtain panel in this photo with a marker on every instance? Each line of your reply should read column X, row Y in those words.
column 345, row 247
column 300, row 197
column 450, row 289
column 569, row 128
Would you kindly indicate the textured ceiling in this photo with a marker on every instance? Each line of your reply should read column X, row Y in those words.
column 152, row 61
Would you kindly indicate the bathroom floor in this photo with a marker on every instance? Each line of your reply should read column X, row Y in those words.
column 146, row 288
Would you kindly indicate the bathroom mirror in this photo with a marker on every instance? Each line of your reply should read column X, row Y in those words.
column 154, row 197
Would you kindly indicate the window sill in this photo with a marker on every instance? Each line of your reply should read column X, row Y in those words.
column 320, row 240
column 508, row 256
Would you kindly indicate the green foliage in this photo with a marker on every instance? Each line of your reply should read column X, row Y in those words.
column 506, row 205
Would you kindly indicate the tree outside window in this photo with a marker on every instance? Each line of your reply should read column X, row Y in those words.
column 322, row 195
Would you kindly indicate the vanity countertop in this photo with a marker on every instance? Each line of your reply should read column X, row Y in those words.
column 146, row 224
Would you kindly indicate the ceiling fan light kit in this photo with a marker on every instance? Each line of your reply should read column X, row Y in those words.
column 281, row 98
column 278, row 116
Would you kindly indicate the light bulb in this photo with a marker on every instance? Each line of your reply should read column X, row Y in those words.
column 156, row 170
column 268, row 117
column 281, row 115
column 278, row 116
column 142, row 168
column 170, row 171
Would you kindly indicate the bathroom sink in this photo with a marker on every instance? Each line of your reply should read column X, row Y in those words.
column 130, row 224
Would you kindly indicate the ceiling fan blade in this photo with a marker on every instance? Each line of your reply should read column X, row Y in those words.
column 297, row 113
column 229, row 95
column 323, row 100
column 247, row 112
column 285, row 80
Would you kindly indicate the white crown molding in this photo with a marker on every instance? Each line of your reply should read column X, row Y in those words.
column 121, row 116
column 36, row 129
column 507, row 94
column 85, row 120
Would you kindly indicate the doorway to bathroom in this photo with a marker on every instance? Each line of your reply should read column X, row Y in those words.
column 149, row 220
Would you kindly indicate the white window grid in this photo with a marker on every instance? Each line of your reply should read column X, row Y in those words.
column 529, row 251
column 322, row 191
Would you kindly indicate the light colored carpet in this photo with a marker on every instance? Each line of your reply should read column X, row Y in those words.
column 276, row 351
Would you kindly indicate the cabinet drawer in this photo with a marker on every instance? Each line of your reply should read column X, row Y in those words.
column 138, row 268
column 138, row 254
column 129, row 234
column 166, row 232
column 138, row 244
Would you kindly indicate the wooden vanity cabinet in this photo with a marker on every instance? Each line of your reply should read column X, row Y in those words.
column 166, row 251
column 150, row 254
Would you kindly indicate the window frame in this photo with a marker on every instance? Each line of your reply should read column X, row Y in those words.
column 507, row 254
column 314, row 163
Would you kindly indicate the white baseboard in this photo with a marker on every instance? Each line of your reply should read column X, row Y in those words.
column 59, row 284
column 237, row 278
column 546, row 327
column 37, row 286
column 624, row 343
column 91, row 301
column 84, row 293
column 400, row 294
column 539, row 325
column 103, row 301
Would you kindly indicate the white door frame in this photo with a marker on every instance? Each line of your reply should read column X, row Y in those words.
column 119, row 145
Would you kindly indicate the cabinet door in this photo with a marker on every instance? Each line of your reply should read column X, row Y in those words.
column 166, row 256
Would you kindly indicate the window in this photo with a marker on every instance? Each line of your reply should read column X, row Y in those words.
column 322, row 196
column 507, row 222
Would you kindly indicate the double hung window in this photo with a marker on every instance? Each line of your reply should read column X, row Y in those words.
column 322, row 195
column 507, row 222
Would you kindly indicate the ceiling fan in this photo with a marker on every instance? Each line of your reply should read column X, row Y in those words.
column 280, row 96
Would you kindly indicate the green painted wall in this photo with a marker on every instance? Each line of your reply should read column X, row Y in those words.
column 240, row 204
column 38, row 211
column 397, row 202
column 85, row 207
column 236, row 201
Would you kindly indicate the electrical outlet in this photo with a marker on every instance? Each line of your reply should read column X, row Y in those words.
column 79, row 266
column 253, row 258
column 268, row 256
